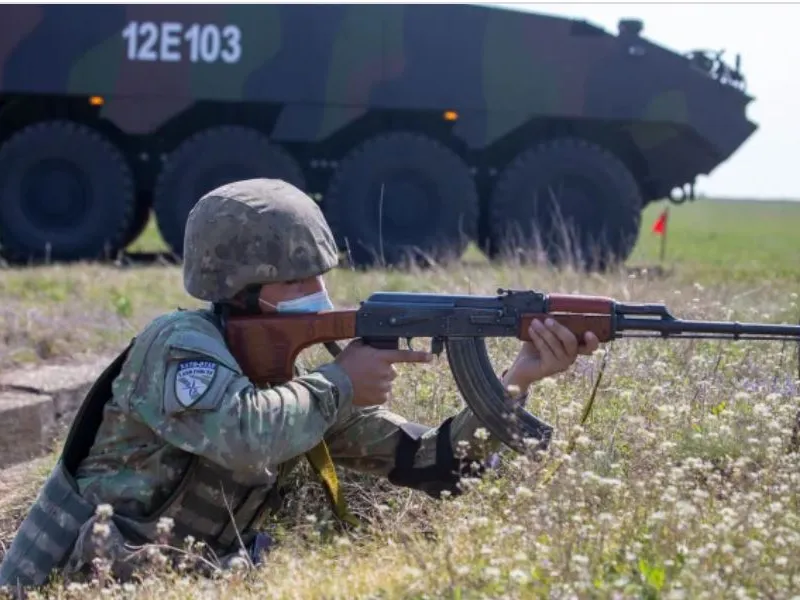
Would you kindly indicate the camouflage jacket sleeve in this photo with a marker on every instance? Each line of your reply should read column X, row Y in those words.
column 196, row 398
column 366, row 440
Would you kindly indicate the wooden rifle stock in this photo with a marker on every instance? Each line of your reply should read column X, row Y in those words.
column 266, row 346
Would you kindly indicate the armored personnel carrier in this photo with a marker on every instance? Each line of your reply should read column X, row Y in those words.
column 418, row 128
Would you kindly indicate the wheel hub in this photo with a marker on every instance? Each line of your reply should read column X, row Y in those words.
column 409, row 202
column 56, row 194
column 568, row 195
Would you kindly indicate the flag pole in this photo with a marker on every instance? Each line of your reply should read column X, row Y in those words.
column 660, row 228
column 664, row 237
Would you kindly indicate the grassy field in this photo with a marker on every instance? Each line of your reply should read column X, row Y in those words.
column 712, row 238
column 677, row 485
column 734, row 240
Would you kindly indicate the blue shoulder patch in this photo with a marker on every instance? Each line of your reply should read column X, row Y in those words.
column 193, row 379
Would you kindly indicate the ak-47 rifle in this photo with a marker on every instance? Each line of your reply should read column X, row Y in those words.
column 267, row 345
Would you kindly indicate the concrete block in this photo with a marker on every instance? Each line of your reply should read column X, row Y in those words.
column 28, row 423
column 38, row 403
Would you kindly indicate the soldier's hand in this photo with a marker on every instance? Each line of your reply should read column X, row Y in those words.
column 553, row 349
column 372, row 371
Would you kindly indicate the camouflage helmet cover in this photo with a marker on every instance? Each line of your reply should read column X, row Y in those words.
column 254, row 231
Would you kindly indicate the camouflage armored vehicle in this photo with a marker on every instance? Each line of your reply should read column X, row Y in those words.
column 419, row 128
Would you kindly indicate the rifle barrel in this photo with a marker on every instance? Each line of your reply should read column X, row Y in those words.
column 670, row 327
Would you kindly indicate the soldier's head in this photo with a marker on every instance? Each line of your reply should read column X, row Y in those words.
column 258, row 243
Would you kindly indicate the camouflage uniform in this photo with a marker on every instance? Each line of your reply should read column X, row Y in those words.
column 206, row 454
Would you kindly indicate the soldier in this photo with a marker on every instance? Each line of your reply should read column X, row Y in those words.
column 173, row 428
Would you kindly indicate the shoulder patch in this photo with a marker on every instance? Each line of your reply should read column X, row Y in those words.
column 193, row 379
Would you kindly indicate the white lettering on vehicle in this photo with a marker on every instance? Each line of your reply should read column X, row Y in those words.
column 171, row 42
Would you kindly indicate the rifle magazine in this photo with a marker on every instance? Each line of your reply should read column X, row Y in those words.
column 485, row 395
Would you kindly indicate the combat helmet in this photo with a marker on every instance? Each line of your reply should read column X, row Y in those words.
column 253, row 232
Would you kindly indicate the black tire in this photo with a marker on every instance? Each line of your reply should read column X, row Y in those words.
column 430, row 204
column 598, row 206
column 66, row 194
column 207, row 160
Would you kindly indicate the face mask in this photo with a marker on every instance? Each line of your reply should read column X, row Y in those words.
column 316, row 302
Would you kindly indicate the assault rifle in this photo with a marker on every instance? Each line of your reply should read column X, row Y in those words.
column 267, row 345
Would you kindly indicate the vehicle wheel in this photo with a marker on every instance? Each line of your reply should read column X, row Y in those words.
column 66, row 194
column 208, row 160
column 571, row 199
column 429, row 209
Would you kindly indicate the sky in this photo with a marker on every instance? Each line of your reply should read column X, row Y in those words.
column 768, row 164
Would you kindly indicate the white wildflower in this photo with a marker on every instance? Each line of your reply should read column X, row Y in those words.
column 761, row 410
column 519, row 576
column 165, row 525
column 481, row 433
column 523, row 492
column 101, row 530
column 237, row 563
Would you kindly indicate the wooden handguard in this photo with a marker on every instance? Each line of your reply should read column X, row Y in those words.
column 600, row 325
column 598, row 305
column 579, row 314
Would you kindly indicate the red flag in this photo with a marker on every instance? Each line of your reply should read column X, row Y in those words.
column 660, row 226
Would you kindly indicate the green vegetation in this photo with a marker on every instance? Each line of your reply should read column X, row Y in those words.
column 727, row 239
column 721, row 239
column 679, row 484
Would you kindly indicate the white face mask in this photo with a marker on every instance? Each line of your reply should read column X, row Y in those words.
column 316, row 302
